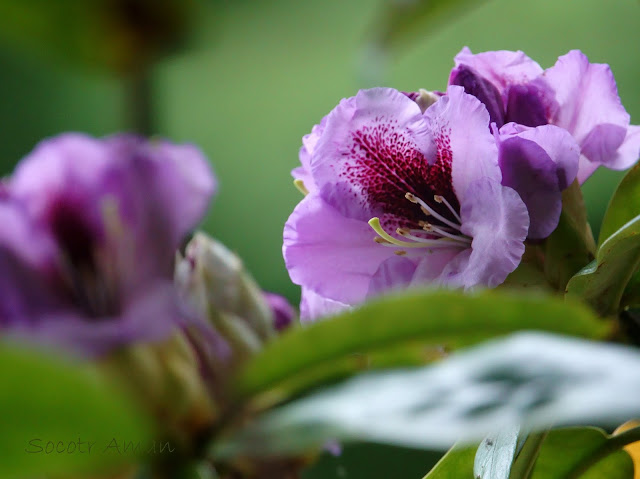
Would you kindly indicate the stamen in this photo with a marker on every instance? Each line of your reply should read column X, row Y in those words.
column 400, row 252
column 425, row 225
column 299, row 184
column 439, row 231
column 380, row 240
column 407, row 234
column 375, row 225
column 424, row 206
column 442, row 199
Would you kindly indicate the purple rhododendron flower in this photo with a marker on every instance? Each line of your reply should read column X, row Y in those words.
column 428, row 184
column 90, row 229
column 576, row 95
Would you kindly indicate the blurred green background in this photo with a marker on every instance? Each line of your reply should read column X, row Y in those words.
column 256, row 75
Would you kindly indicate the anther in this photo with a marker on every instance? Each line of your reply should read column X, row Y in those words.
column 442, row 199
column 427, row 210
column 299, row 184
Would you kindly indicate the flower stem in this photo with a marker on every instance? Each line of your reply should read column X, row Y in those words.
column 611, row 445
column 139, row 101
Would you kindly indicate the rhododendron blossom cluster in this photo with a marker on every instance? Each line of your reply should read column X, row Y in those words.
column 445, row 189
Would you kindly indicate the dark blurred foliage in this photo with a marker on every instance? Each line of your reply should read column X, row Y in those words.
column 117, row 35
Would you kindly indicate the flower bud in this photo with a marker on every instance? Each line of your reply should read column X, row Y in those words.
column 216, row 285
column 283, row 313
column 425, row 98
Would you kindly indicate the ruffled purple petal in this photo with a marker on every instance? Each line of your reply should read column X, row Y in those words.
column 629, row 149
column 77, row 169
column 590, row 109
column 26, row 240
column 313, row 306
column 150, row 317
column 371, row 145
column 459, row 124
column 538, row 163
column 482, row 89
column 332, row 255
column 394, row 273
column 530, row 104
column 430, row 267
column 177, row 179
column 497, row 220
column 25, row 294
column 309, row 143
column 502, row 68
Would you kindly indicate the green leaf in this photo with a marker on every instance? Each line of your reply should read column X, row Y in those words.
column 571, row 246
column 566, row 449
column 399, row 23
column 562, row 452
column 457, row 463
column 527, row 455
column 623, row 206
column 631, row 295
column 403, row 329
column 531, row 379
column 602, row 283
column 59, row 419
column 495, row 454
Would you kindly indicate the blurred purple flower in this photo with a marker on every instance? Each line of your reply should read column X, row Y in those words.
column 576, row 95
column 427, row 183
column 90, row 229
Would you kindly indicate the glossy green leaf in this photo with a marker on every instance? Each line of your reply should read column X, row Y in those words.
column 404, row 329
column 531, row 379
column 58, row 419
column 623, row 206
column 495, row 454
column 527, row 454
column 563, row 451
column 455, row 464
column 399, row 23
column 602, row 283
column 571, row 246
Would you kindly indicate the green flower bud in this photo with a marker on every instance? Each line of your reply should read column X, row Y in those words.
column 215, row 283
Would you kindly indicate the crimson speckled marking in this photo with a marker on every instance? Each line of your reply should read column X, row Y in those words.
column 383, row 163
